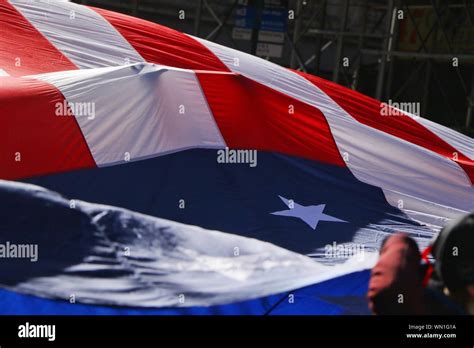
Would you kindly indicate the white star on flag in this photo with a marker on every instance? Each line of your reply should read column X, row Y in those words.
column 311, row 214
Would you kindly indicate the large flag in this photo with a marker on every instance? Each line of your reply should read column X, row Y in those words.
column 197, row 179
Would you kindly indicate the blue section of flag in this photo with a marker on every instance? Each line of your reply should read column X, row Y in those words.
column 193, row 188
column 238, row 198
column 344, row 295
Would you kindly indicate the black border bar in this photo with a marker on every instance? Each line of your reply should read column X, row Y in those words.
column 139, row 330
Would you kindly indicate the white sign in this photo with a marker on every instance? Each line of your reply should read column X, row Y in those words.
column 271, row 36
column 241, row 34
column 269, row 50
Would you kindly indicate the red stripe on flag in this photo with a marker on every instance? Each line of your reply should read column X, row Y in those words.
column 23, row 49
column 253, row 116
column 33, row 139
column 367, row 111
column 161, row 45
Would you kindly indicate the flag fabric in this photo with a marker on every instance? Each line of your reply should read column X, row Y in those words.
column 217, row 182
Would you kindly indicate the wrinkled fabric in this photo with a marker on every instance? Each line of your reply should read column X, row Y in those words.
column 101, row 254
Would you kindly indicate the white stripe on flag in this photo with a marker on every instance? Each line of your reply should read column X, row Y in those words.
column 3, row 73
column 79, row 32
column 138, row 111
column 457, row 140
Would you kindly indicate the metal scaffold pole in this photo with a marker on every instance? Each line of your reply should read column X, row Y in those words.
column 383, row 60
column 340, row 42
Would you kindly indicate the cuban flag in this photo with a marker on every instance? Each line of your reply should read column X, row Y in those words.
column 147, row 171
